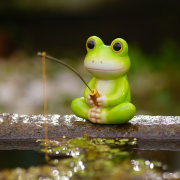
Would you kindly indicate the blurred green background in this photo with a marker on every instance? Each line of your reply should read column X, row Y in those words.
column 61, row 28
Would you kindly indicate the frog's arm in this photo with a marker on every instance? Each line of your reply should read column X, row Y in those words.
column 120, row 92
column 91, row 84
column 118, row 96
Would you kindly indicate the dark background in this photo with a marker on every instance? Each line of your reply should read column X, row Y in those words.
column 61, row 28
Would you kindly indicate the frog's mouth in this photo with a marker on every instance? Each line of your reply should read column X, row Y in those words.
column 104, row 69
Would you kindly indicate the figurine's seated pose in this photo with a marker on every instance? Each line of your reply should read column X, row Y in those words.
column 109, row 65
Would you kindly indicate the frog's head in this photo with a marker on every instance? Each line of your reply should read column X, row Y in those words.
column 107, row 62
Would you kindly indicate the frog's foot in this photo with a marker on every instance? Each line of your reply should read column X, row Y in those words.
column 98, row 115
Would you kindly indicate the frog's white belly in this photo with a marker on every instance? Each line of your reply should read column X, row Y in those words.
column 106, row 87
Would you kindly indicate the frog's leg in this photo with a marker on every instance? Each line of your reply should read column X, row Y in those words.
column 121, row 113
column 98, row 115
column 117, row 115
column 80, row 107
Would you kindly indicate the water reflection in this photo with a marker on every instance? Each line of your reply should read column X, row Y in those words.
column 166, row 157
column 20, row 158
column 96, row 159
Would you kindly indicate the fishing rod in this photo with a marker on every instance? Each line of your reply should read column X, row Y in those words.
column 93, row 92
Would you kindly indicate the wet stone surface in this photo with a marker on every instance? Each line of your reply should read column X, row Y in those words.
column 16, row 126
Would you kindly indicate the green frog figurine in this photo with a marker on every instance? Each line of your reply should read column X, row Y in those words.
column 108, row 65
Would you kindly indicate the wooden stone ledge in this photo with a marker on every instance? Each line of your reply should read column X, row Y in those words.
column 21, row 127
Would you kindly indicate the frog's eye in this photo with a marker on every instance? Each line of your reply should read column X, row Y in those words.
column 90, row 44
column 117, row 46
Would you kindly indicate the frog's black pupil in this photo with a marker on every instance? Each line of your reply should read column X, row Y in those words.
column 90, row 44
column 117, row 46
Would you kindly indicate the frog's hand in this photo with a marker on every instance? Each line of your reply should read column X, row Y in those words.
column 86, row 91
column 90, row 101
column 120, row 93
column 102, row 101
column 94, row 94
